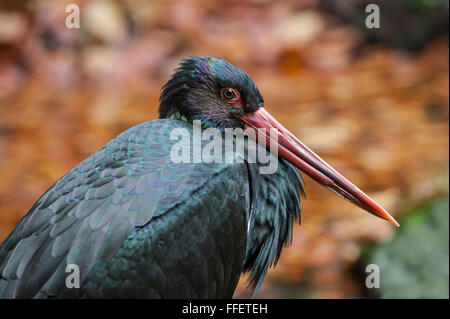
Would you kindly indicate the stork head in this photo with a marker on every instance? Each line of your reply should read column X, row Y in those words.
column 210, row 90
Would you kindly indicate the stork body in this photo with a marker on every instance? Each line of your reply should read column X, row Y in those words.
column 139, row 225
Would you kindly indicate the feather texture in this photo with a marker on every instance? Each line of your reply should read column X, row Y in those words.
column 126, row 216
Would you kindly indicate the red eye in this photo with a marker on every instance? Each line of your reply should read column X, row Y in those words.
column 232, row 96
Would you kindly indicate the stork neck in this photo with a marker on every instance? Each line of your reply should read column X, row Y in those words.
column 204, row 124
column 178, row 116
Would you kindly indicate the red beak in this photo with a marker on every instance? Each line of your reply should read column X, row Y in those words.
column 299, row 155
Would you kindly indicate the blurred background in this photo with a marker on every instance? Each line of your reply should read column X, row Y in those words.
column 373, row 102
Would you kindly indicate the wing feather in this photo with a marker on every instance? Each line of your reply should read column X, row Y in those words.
column 86, row 216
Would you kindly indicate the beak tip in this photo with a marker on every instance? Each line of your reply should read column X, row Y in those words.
column 392, row 220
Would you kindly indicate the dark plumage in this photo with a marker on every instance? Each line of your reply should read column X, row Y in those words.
column 140, row 226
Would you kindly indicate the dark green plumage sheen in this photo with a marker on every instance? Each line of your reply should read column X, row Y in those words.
column 141, row 226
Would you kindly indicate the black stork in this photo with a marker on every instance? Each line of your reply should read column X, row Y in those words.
column 139, row 225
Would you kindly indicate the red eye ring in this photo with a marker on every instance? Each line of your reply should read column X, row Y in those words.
column 231, row 96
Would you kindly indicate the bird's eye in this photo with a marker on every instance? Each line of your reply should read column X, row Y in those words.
column 229, row 94
column 232, row 96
